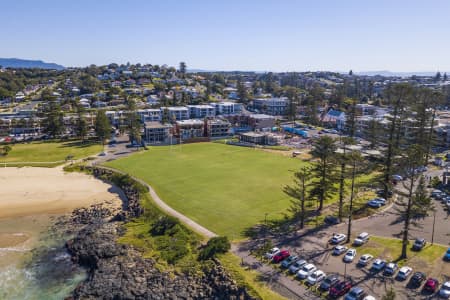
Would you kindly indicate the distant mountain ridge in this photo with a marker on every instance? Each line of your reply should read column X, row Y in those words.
column 27, row 63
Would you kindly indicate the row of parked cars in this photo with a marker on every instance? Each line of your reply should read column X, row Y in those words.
column 302, row 270
column 442, row 196
column 390, row 269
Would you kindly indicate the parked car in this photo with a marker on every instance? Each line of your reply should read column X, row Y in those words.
column 444, row 292
column 435, row 193
column 295, row 267
column 378, row 265
column 340, row 288
column 356, row 293
column 404, row 273
column 364, row 259
column 397, row 177
column 381, row 193
column 289, row 261
column 315, row 277
column 272, row 252
column 349, row 256
column 306, row 271
column 329, row 282
column 431, row 285
column 369, row 297
column 331, row 220
column 419, row 243
column 390, row 269
column 338, row 238
column 339, row 249
column 447, row 255
column 361, row 239
column 417, row 279
column 280, row 256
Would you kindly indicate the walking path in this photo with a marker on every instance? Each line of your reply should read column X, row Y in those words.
column 166, row 208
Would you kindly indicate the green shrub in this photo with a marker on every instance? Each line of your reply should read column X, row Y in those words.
column 164, row 224
column 215, row 245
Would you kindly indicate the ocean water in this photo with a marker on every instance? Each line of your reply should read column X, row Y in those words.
column 34, row 263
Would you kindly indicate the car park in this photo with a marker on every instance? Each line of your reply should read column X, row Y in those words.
column 390, row 269
column 378, row 265
column 431, row 285
column 350, row 255
column 272, row 252
column 361, row 239
column 417, row 279
column 356, row 293
column 447, row 255
column 340, row 288
column 338, row 238
column 307, row 270
column 419, row 243
column 315, row 277
column 444, row 292
column 365, row 259
column 289, row 261
column 404, row 273
column 280, row 256
column 295, row 267
column 339, row 249
column 329, row 282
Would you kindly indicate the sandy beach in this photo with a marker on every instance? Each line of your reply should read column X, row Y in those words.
column 30, row 198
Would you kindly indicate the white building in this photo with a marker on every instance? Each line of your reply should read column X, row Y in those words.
column 176, row 112
column 201, row 111
column 228, row 108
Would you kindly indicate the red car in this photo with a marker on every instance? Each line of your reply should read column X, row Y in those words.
column 340, row 288
column 280, row 256
column 431, row 285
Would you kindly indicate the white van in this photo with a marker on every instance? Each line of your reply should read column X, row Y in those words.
column 362, row 238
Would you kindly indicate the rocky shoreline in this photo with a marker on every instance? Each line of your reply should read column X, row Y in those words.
column 117, row 271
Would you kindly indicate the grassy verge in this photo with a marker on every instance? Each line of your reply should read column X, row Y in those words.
column 390, row 249
column 247, row 278
column 48, row 153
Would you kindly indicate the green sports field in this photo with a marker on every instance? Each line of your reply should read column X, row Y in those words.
column 48, row 152
column 224, row 188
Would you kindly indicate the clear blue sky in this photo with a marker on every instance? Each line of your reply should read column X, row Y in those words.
column 276, row 35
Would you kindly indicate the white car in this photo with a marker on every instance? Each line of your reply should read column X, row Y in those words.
column 444, row 292
column 338, row 238
column 350, row 255
column 369, row 297
column 315, row 277
column 365, row 259
column 404, row 273
column 306, row 271
column 272, row 252
column 339, row 249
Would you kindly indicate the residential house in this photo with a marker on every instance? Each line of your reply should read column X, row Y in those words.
column 335, row 118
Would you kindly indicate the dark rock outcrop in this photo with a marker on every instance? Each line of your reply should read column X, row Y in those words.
column 118, row 271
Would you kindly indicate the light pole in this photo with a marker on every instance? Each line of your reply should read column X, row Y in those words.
column 434, row 221
column 265, row 230
column 345, row 271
